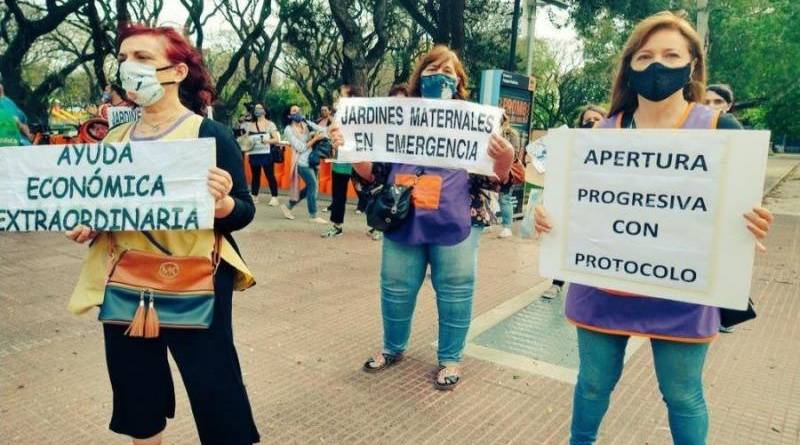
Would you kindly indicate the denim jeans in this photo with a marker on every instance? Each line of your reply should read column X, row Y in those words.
column 507, row 208
column 453, row 270
column 679, row 370
column 309, row 192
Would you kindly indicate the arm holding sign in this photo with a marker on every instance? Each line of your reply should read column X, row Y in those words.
column 234, row 207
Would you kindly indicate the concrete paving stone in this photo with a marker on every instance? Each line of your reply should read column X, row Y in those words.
column 303, row 333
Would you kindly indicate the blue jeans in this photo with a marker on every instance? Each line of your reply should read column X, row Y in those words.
column 507, row 208
column 309, row 192
column 453, row 270
column 679, row 370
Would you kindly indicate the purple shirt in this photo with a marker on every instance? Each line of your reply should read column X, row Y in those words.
column 447, row 225
column 597, row 309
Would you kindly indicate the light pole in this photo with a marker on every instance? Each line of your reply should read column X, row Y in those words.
column 512, row 51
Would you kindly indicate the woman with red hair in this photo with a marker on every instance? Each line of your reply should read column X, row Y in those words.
column 165, row 75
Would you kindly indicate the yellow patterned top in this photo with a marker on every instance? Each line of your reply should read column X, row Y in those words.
column 90, row 288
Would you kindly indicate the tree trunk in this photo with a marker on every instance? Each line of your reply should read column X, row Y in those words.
column 27, row 33
column 123, row 16
column 702, row 21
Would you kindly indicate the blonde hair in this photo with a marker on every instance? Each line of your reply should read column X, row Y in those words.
column 439, row 54
column 623, row 98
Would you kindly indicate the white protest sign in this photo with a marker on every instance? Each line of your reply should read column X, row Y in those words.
column 428, row 132
column 121, row 115
column 654, row 212
column 158, row 185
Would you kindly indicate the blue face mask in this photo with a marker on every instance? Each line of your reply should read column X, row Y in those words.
column 106, row 97
column 438, row 86
column 297, row 117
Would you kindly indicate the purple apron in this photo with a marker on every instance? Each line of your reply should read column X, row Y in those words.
column 447, row 225
column 599, row 310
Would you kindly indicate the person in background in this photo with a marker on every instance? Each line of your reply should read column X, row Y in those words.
column 324, row 120
column 113, row 96
column 325, row 116
column 659, row 83
column 302, row 141
column 165, row 75
column 264, row 133
column 443, row 232
column 20, row 119
column 590, row 116
column 506, row 198
column 719, row 97
column 340, row 177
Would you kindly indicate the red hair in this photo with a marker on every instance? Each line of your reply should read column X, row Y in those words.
column 196, row 90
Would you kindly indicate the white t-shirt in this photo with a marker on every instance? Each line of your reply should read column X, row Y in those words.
column 257, row 134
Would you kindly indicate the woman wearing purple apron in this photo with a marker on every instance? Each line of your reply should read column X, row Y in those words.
column 443, row 231
column 659, row 83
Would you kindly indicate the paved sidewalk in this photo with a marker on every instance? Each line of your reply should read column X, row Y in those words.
column 304, row 331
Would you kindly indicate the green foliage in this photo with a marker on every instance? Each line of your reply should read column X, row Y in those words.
column 281, row 97
column 755, row 47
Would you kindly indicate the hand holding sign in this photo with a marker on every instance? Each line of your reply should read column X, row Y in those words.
column 759, row 222
column 220, row 184
column 502, row 152
column 80, row 234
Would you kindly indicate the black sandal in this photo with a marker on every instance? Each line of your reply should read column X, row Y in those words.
column 450, row 381
column 389, row 360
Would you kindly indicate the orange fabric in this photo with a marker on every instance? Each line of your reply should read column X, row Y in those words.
column 619, row 293
column 641, row 334
column 715, row 119
column 427, row 191
column 282, row 175
column 163, row 273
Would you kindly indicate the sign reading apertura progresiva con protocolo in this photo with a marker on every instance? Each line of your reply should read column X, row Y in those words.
column 654, row 212
column 428, row 132
column 157, row 185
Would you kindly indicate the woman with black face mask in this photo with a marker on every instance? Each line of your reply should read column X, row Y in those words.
column 659, row 83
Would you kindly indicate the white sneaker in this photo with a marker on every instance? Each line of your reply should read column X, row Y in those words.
column 505, row 233
column 318, row 220
column 255, row 199
column 552, row 292
column 274, row 202
column 286, row 212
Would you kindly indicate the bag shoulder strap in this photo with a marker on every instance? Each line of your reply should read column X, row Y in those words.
column 158, row 245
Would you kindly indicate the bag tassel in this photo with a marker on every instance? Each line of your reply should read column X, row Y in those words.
column 136, row 328
column 151, row 325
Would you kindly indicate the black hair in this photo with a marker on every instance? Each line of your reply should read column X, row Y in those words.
column 266, row 110
column 723, row 90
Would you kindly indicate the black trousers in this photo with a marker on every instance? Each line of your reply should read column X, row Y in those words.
column 144, row 395
column 363, row 199
column 339, row 197
column 263, row 162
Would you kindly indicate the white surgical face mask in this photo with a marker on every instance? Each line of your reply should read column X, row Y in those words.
column 140, row 79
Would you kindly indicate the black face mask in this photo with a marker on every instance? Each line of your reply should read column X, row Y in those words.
column 587, row 124
column 658, row 82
